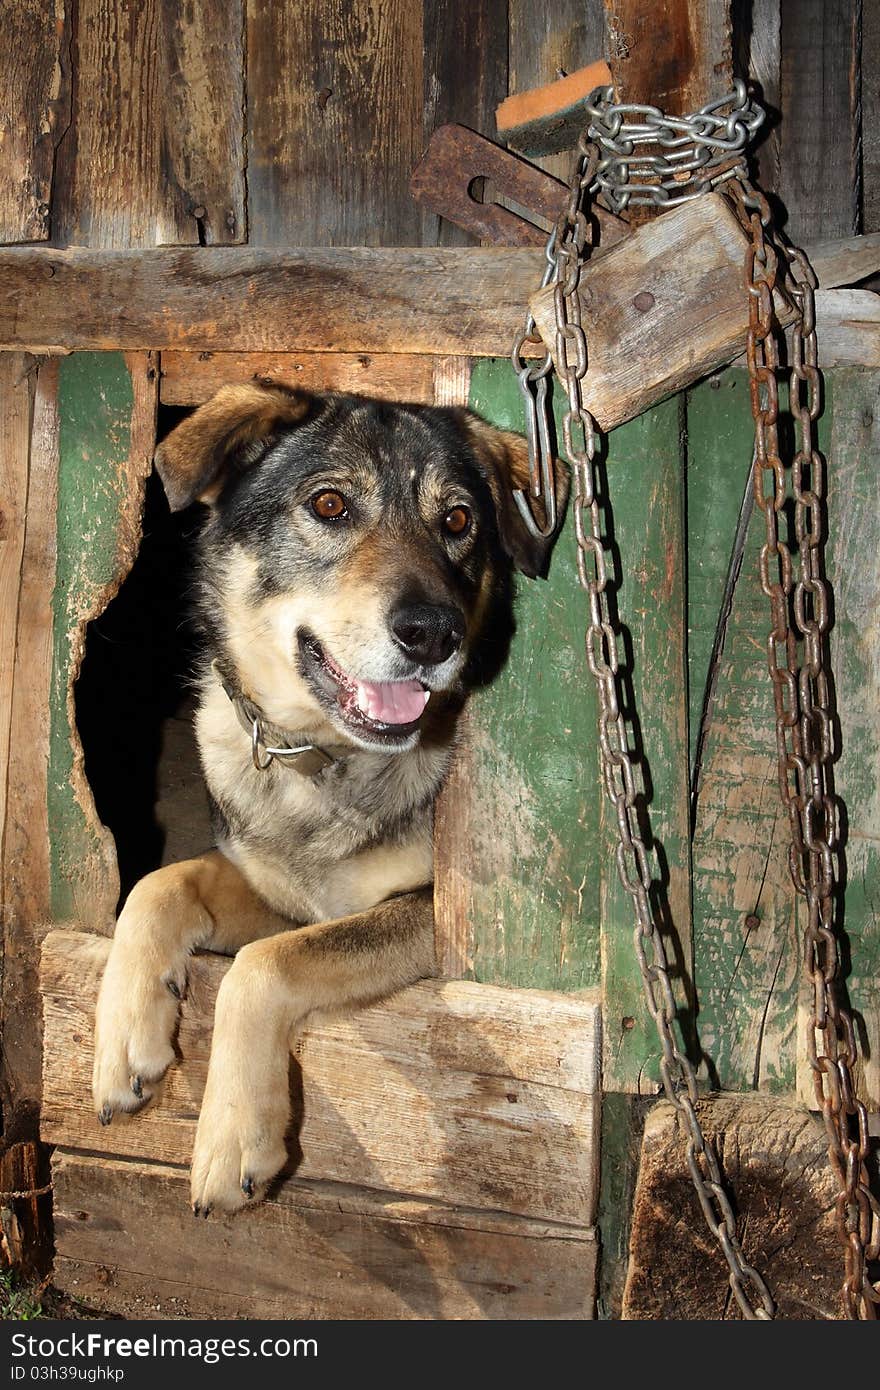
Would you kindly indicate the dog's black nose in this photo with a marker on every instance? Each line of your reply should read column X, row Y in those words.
column 428, row 632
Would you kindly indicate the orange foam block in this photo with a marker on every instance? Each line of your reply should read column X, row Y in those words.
column 548, row 119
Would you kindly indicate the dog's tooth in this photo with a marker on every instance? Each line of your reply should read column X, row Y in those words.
column 427, row 695
column 363, row 700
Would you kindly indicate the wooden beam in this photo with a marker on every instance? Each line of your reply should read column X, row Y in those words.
column 675, row 54
column 189, row 378
column 464, row 1094
column 315, row 1250
column 229, row 299
column 34, row 102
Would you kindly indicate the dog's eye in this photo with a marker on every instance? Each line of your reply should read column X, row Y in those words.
column 457, row 521
column 328, row 505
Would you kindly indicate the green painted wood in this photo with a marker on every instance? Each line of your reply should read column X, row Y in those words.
column 854, row 575
column 544, row 875
column 95, row 402
column 646, row 486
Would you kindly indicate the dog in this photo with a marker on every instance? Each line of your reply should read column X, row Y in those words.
column 354, row 585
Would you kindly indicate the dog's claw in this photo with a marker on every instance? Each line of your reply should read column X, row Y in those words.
column 206, row 1211
column 106, row 1114
column 137, row 1086
column 248, row 1187
column 173, row 986
column 196, row 1209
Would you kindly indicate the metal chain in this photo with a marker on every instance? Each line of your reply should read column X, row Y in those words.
column 804, row 727
column 618, row 774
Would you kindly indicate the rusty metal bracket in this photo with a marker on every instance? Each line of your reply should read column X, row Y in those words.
column 446, row 179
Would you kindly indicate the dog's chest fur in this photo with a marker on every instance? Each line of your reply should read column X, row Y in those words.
column 323, row 847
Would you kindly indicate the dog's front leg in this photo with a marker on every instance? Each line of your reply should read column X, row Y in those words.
column 270, row 988
column 201, row 902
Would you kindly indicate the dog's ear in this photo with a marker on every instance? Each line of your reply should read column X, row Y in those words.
column 227, row 432
column 504, row 458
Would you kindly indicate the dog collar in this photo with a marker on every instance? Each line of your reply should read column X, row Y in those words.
column 304, row 758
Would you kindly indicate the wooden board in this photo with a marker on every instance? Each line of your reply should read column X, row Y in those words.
column 189, row 378
column 458, row 1093
column 819, row 149
column 660, row 309
column 848, row 328
column 28, row 471
column 331, row 144
column 154, row 152
column 774, row 1157
column 34, row 106
column 107, row 407
column 676, row 64
column 228, row 299
column 465, row 76
column 316, row 1250
column 746, row 980
column 548, row 39
column 853, row 561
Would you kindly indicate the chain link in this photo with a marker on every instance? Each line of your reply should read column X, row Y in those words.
column 800, row 615
column 566, row 246
column 692, row 155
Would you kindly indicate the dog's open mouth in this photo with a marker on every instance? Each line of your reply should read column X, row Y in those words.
column 388, row 710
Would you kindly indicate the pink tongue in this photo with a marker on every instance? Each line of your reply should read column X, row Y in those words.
column 391, row 702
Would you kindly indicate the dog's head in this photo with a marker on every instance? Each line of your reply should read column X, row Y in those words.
column 357, row 561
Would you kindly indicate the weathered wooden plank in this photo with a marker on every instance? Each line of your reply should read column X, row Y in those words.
column 203, row 104
column 870, row 76
column 33, row 109
column 315, row 1250
column 27, row 466
column 848, row 328
column 107, row 406
column 660, row 309
column 844, row 260
column 189, row 378
column 757, row 59
column 548, row 39
column 331, row 147
column 745, row 921
column 154, row 153
column 774, row 1157
column 465, row 77
column 819, row 149
column 456, row 300
column 853, row 561
column 677, row 61
column 464, row 1094
column 452, row 825
column 645, row 522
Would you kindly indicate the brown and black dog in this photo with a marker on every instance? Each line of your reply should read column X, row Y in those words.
column 354, row 585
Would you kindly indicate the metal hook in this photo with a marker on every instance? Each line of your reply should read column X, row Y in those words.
column 542, row 482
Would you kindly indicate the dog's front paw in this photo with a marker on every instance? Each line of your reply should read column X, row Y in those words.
column 135, row 1019
column 240, row 1140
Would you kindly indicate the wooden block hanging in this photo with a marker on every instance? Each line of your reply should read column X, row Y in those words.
column 661, row 309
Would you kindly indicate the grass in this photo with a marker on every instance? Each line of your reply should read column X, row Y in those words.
column 25, row 1300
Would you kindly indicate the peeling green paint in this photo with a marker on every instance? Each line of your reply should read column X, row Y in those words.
column 95, row 402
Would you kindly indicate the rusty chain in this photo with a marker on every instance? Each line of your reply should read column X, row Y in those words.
column 799, row 604
column 803, row 715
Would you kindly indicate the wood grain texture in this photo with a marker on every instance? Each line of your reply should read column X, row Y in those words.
column 848, row 328
column 757, row 38
column 465, row 77
column 32, row 114
column 853, row 563
column 773, row 1156
column 819, row 146
column 660, row 309
column 675, row 54
column 645, row 523
column 315, row 1251
column 332, row 143
column 189, row 378
column 546, row 39
column 870, row 82
column 464, row 1094
column 458, row 300
column 157, row 126
column 452, row 821
column 746, row 980
column 844, row 260
column 107, row 408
